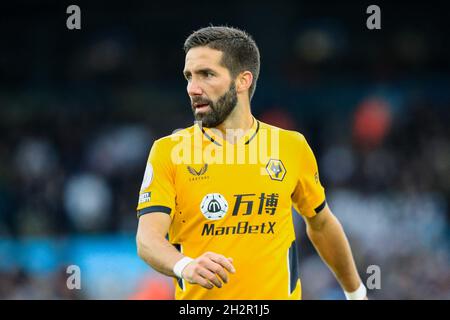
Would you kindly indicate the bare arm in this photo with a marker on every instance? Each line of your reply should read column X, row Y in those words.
column 153, row 247
column 328, row 237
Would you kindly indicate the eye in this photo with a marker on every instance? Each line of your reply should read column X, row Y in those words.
column 206, row 73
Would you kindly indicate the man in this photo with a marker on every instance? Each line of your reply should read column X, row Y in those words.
column 228, row 216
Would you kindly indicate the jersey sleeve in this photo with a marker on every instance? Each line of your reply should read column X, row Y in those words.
column 309, row 195
column 157, row 193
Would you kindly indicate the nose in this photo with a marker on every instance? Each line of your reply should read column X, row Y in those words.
column 194, row 89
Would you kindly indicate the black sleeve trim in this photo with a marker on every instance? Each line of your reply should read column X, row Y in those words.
column 154, row 209
column 319, row 208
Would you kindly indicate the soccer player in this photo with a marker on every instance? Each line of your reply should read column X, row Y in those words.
column 215, row 202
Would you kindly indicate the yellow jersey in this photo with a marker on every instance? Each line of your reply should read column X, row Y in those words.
column 235, row 199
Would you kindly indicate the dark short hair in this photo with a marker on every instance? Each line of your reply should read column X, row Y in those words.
column 240, row 52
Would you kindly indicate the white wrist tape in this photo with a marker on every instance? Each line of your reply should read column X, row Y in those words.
column 180, row 265
column 358, row 294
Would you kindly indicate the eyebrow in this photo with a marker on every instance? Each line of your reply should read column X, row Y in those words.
column 199, row 71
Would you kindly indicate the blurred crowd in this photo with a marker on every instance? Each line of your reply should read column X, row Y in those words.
column 393, row 200
column 79, row 114
column 18, row 284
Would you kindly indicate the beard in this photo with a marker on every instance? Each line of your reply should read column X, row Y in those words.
column 219, row 110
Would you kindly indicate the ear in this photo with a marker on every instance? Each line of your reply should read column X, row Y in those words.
column 243, row 81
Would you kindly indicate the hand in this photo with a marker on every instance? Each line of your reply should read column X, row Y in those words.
column 208, row 269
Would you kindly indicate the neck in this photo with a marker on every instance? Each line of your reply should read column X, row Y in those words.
column 240, row 120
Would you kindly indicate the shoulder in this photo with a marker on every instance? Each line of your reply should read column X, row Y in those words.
column 164, row 146
column 287, row 137
column 175, row 137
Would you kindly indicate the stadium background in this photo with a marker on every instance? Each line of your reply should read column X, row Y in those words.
column 79, row 111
